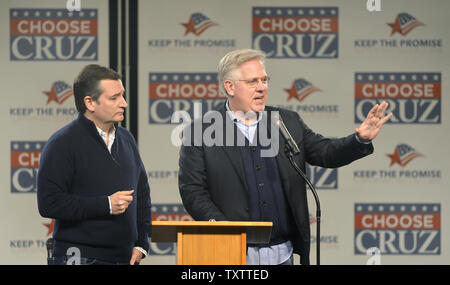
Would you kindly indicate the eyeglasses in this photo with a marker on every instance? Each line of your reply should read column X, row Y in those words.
column 252, row 83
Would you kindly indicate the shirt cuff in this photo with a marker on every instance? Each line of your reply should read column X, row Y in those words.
column 144, row 252
column 360, row 141
column 110, row 208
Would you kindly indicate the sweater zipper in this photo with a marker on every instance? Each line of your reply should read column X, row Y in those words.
column 110, row 153
column 115, row 160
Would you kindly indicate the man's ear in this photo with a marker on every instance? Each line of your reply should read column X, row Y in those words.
column 89, row 103
column 229, row 86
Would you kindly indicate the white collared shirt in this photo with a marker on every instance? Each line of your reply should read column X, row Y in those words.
column 247, row 130
column 111, row 137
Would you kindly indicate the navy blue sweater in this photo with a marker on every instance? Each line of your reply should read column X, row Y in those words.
column 76, row 175
column 267, row 201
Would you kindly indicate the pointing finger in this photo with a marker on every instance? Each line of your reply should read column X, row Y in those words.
column 127, row 198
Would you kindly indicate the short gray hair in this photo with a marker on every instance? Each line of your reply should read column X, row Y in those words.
column 232, row 60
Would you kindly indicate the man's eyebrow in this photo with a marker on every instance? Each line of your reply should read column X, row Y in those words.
column 118, row 94
column 258, row 78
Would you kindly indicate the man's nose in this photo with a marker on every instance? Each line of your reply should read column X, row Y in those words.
column 261, row 86
column 123, row 103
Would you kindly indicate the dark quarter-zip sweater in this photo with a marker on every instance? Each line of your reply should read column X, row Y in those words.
column 76, row 175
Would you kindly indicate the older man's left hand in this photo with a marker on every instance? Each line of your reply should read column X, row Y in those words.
column 375, row 119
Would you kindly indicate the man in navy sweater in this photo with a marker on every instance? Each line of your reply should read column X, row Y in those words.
column 92, row 181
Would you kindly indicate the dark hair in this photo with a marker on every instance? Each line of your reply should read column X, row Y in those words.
column 87, row 83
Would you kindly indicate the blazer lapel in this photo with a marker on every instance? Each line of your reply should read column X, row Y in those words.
column 232, row 151
column 283, row 166
column 281, row 157
column 234, row 155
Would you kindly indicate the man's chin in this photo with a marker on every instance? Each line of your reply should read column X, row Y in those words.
column 119, row 118
column 259, row 108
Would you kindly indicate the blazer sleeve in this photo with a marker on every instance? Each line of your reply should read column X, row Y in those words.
column 331, row 152
column 193, row 185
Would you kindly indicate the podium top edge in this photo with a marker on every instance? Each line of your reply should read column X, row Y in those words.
column 212, row 223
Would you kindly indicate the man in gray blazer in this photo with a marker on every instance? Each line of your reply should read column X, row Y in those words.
column 235, row 182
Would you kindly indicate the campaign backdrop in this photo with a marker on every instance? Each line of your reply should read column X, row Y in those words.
column 44, row 45
column 330, row 61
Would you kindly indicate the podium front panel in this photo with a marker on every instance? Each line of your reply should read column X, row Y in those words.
column 202, row 246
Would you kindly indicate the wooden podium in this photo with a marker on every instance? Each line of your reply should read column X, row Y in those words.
column 213, row 243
